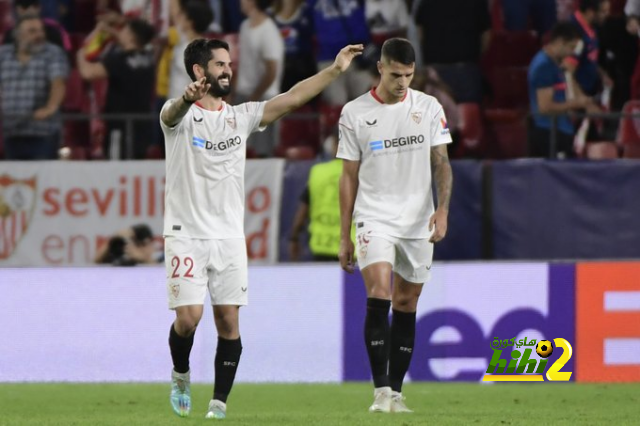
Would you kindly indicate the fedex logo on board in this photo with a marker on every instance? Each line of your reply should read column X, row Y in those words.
column 461, row 311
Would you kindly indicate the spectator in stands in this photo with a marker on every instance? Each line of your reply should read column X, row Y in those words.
column 192, row 20
column 260, row 66
column 428, row 81
column 338, row 23
column 584, row 63
column 54, row 32
column 128, row 247
column 129, row 68
column 319, row 204
column 294, row 21
column 632, row 11
column 548, row 93
column 453, row 35
column 386, row 19
column 519, row 13
column 33, row 73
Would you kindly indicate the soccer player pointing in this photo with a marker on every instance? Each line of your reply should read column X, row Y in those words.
column 205, row 248
column 390, row 138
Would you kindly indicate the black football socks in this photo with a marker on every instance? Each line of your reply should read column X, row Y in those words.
column 403, row 333
column 180, row 350
column 376, row 336
column 226, row 365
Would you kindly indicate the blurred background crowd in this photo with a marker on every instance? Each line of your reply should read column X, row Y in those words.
column 85, row 79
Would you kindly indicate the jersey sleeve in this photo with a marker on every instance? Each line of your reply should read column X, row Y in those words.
column 253, row 112
column 544, row 77
column 167, row 129
column 348, row 147
column 440, row 133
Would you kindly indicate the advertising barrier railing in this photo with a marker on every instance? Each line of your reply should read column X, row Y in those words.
column 493, row 321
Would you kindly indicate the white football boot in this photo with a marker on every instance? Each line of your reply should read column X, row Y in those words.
column 217, row 410
column 381, row 400
column 397, row 403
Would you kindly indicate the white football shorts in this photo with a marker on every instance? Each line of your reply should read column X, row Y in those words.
column 410, row 258
column 194, row 266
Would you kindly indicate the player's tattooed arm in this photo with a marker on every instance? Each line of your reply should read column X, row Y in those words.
column 174, row 113
column 442, row 174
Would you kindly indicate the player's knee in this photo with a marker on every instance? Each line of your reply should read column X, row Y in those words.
column 379, row 292
column 186, row 326
column 405, row 302
column 227, row 324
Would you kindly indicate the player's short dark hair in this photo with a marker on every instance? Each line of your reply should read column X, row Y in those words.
column 142, row 31
column 199, row 52
column 590, row 5
column 24, row 4
column 399, row 50
column 199, row 13
column 565, row 31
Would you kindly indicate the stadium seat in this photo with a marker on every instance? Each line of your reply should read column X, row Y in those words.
column 510, row 49
column 154, row 152
column 601, row 150
column 505, row 133
column 509, row 87
column 75, row 96
column 629, row 132
column 631, row 151
column 329, row 117
column 471, row 130
column 6, row 16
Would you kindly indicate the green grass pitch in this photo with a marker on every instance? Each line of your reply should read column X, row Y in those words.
column 282, row 404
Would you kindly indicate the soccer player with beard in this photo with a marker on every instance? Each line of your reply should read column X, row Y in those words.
column 205, row 248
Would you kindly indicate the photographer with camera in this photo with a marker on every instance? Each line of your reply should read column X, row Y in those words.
column 129, row 247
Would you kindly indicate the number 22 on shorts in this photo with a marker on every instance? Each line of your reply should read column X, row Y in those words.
column 187, row 263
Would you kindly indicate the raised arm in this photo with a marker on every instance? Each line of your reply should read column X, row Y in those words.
column 178, row 109
column 443, row 178
column 307, row 89
column 348, row 191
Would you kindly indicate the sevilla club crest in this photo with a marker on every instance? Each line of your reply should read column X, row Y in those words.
column 231, row 122
column 17, row 202
column 416, row 116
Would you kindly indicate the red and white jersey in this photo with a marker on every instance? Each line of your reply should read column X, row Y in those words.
column 206, row 156
column 393, row 144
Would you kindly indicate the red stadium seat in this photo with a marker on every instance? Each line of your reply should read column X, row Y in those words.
column 154, row 152
column 510, row 87
column 506, row 133
column 75, row 97
column 629, row 132
column 329, row 117
column 631, row 151
column 601, row 150
column 510, row 49
column 299, row 129
column 471, row 130
column 6, row 16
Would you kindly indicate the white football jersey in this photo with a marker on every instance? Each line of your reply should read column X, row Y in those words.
column 393, row 144
column 206, row 155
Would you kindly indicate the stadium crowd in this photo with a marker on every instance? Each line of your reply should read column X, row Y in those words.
column 84, row 79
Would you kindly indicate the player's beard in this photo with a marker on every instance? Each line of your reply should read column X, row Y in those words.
column 216, row 90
